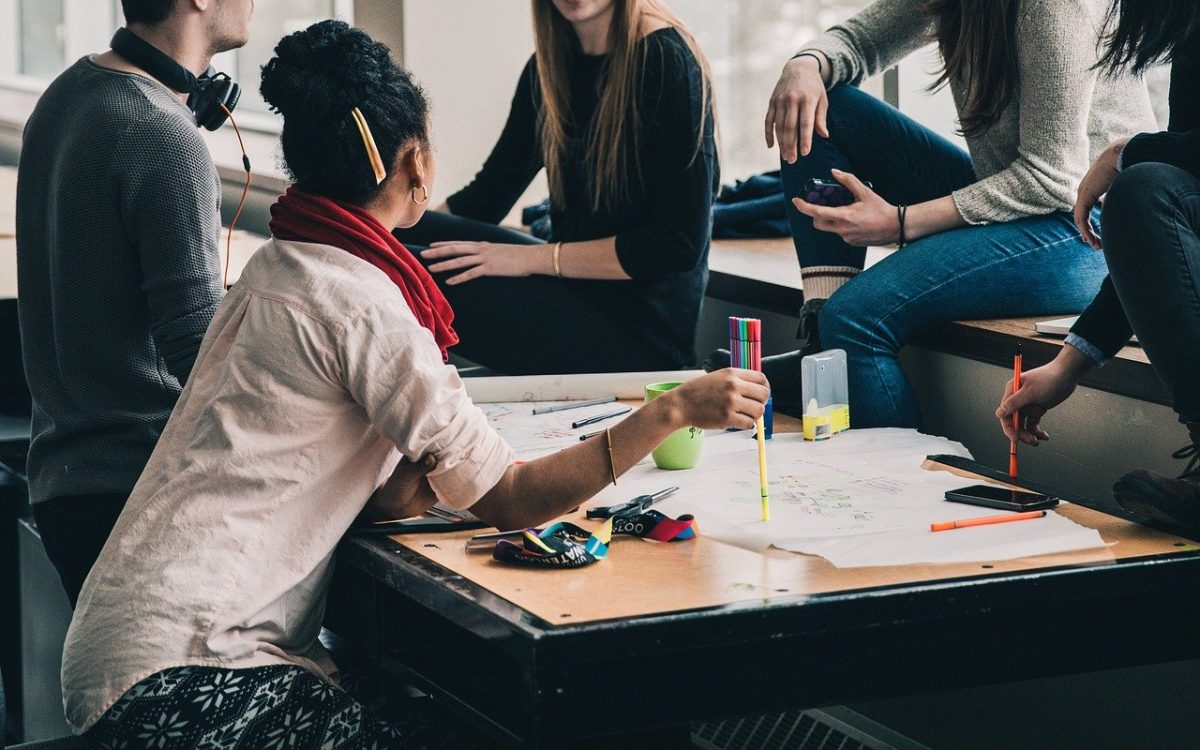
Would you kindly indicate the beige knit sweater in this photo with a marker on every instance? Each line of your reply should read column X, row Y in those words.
column 1062, row 115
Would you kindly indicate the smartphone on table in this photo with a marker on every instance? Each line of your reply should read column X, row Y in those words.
column 828, row 193
column 1001, row 498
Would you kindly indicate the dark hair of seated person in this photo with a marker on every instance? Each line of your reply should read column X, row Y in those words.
column 148, row 12
column 1143, row 33
column 315, row 79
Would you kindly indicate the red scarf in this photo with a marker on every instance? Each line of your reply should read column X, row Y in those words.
column 303, row 217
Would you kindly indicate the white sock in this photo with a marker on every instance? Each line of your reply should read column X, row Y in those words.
column 820, row 282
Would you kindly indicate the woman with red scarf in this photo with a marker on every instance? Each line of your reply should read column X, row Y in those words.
column 320, row 394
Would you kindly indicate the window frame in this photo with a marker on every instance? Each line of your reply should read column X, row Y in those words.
column 83, row 35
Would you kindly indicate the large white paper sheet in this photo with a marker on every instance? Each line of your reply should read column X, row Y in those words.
column 917, row 544
column 860, row 499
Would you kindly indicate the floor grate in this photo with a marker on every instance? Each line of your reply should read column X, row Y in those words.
column 833, row 728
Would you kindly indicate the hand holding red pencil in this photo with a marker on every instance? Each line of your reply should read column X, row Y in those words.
column 1041, row 390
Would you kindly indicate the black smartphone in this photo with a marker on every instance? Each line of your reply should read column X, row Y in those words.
column 1001, row 498
column 827, row 193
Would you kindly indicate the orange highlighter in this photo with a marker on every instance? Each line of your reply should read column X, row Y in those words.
column 986, row 520
column 1016, row 417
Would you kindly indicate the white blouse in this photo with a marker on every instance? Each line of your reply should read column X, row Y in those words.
column 312, row 381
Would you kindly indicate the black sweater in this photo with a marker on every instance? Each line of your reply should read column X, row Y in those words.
column 662, row 231
column 1104, row 324
column 118, row 272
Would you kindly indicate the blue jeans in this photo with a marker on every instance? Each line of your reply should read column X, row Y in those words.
column 1029, row 267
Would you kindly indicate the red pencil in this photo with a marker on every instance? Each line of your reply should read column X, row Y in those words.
column 1016, row 417
column 986, row 521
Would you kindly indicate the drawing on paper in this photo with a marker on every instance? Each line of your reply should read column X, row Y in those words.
column 809, row 496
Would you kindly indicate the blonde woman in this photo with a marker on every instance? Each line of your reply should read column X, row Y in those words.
column 616, row 106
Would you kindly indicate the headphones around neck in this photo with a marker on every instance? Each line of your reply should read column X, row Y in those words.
column 209, row 96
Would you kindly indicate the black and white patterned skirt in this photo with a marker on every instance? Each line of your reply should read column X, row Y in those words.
column 263, row 708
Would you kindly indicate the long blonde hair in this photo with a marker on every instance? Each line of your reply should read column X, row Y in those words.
column 612, row 138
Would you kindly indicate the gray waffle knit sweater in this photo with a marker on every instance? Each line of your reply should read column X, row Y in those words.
column 118, row 273
column 1063, row 114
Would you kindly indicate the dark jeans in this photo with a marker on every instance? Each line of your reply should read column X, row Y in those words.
column 1150, row 223
column 1030, row 267
column 904, row 161
column 74, row 530
column 536, row 325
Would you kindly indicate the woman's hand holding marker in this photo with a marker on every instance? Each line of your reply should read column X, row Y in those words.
column 722, row 399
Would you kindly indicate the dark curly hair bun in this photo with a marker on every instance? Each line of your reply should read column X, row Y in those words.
column 316, row 78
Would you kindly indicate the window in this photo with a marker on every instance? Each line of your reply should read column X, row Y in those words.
column 40, row 38
column 273, row 20
column 747, row 45
column 43, row 37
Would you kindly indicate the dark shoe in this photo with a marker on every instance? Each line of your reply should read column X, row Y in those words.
column 1172, row 501
column 808, row 335
column 809, row 332
column 717, row 359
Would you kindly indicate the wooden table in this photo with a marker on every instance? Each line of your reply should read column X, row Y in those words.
column 629, row 651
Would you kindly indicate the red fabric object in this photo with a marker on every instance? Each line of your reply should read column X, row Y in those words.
column 303, row 217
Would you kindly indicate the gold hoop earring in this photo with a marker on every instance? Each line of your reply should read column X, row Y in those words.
column 424, row 194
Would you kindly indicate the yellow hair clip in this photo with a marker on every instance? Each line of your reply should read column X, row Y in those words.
column 369, row 141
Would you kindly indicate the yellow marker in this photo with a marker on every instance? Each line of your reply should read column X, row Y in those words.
column 762, row 468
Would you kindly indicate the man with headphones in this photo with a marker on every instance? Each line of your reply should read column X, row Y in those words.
column 118, row 269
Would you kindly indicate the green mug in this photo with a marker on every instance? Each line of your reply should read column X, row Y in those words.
column 681, row 449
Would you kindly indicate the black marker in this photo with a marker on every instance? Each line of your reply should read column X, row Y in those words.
column 600, row 417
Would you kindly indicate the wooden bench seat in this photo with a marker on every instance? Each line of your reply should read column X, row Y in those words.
column 764, row 274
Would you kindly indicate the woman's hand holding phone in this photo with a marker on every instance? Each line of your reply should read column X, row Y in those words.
column 869, row 220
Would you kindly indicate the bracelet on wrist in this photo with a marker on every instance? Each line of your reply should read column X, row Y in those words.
column 901, row 216
column 813, row 55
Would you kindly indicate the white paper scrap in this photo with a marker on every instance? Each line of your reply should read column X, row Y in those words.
column 570, row 387
column 537, row 435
